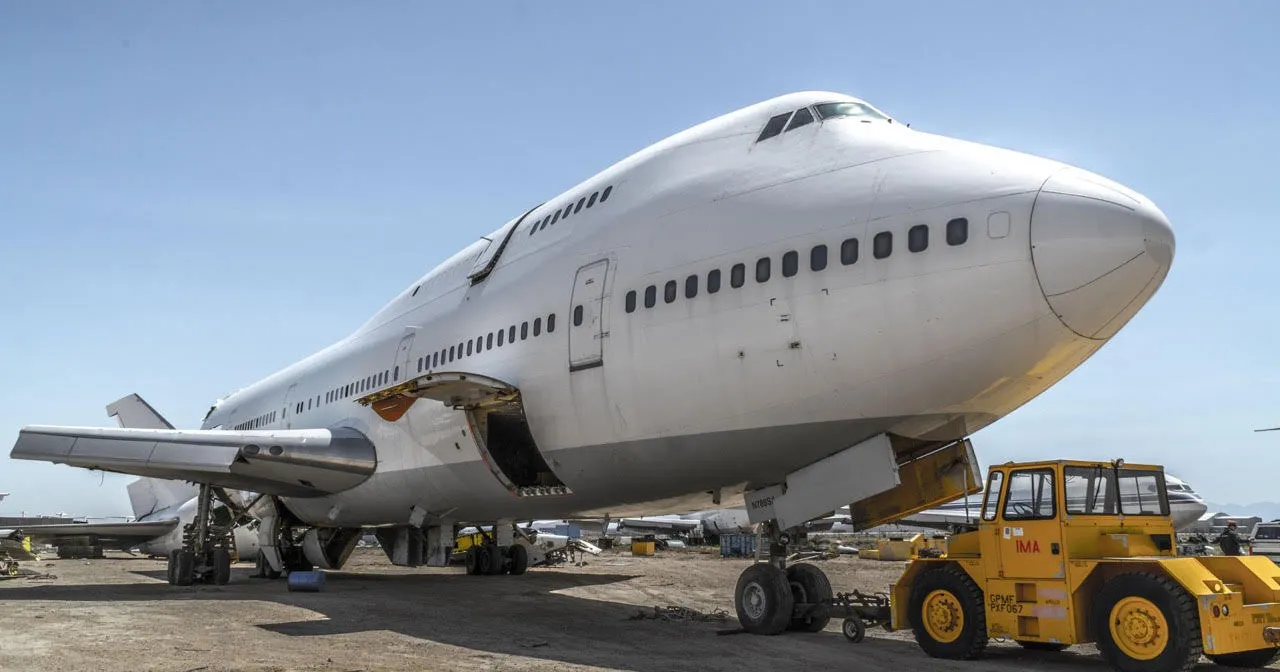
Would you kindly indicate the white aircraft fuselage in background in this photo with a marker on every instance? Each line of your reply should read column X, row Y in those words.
column 694, row 319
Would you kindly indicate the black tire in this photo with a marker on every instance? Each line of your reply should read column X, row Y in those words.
column 971, row 640
column 470, row 559
column 221, row 566
column 172, row 570
column 497, row 562
column 1182, row 645
column 809, row 585
column 519, row 559
column 184, row 570
column 1255, row 659
column 763, row 600
column 1043, row 646
column 854, row 629
column 485, row 560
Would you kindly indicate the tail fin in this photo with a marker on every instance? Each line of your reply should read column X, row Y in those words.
column 149, row 495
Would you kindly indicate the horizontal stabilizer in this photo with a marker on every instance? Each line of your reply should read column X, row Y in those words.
column 294, row 463
column 121, row 531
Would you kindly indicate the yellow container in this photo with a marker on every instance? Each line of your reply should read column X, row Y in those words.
column 642, row 548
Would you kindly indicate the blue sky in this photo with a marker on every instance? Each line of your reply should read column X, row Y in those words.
column 194, row 195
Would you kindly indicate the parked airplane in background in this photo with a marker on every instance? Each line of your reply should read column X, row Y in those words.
column 161, row 508
column 785, row 306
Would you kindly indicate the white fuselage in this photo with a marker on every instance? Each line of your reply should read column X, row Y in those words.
column 734, row 389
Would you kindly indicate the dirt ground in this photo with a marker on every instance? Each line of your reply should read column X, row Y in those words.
column 119, row 614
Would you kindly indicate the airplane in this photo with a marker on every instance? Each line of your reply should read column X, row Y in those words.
column 1269, row 429
column 161, row 508
column 785, row 307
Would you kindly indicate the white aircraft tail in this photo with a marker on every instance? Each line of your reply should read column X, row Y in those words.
column 148, row 495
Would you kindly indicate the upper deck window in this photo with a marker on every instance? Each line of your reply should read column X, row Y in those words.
column 848, row 109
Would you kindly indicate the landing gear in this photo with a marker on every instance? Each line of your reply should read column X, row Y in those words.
column 771, row 598
column 498, row 553
column 207, row 543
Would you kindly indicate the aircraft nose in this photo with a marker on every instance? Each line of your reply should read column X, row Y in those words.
column 1100, row 251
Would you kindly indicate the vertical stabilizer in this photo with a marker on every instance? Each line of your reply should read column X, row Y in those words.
column 148, row 496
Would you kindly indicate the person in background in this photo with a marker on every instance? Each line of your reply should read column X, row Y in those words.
column 1229, row 541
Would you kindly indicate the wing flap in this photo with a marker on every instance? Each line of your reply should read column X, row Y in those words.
column 297, row 463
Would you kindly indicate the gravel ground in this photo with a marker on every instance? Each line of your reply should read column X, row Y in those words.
column 119, row 614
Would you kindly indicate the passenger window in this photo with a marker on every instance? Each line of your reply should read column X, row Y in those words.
column 435, row 360
column 849, row 252
column 803, row 116
column 650, row 296
column 713, row 281
column 581, row 201
column 419, row 365
column 1030, row 496
column 604, row 195
column 918, row 238
column 691, row 287
column 818, row 258
column 395, row 375
column 470, row 343
column 537, row 326
column 556, row 217
column 511, row 334
column 479, row 344
column 524, row 330
column 882, row 245
column 957, row 231
column 631, row 301
column 501, row 334
column 592, row 200
column 774, row 126
column 551, row 323
column 669, row 291
column 762, row 269
column 790, row 262
column 577, row 315
column 451, row 353
column 737, row 275
column 488, row 341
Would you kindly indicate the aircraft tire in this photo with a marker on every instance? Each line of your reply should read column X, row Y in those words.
column 221, row 566
column 494, row 564
column 519, row 559
column 763, row 600
column 1146, row 622
column 471, row 559
column 184, row 570
column 809, row 585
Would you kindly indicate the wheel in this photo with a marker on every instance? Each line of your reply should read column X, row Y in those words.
column 854, row 629
column 1249, row 659
column 184, row 569
column 809, row 585
column 519, row 559
column 471, row 557
column 1146, row 622
column 948, row 615
column 1042, row 646
column 173, row 566
column 221, row 566
column 497, row 560
column 763, row 599
column 485, row 560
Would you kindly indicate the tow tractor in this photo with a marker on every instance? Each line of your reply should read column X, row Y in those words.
column 1071, row 552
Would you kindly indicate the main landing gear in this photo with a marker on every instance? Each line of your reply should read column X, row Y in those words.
column 498, row 553
column 207, row 543
column 772, row 598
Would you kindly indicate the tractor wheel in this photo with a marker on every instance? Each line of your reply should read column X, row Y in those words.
column 1248, row 659
column 519, row 559
column 1145, row 622
column 763, row 599
column 810, row 585
column 948, row 615
column 1043, row 646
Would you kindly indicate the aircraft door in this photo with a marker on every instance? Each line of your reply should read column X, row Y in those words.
column 286, row 415
column 400, row 368
column 586, row 316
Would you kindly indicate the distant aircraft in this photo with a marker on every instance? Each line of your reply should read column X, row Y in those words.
column 161, row 507
column 783, row 306
column 1269, row 429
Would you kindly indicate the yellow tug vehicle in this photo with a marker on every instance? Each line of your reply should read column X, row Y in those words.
column 1071, row 552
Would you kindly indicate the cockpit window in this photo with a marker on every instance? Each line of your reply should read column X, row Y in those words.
column 802, row 116
column 848, row 109
column 774, row 126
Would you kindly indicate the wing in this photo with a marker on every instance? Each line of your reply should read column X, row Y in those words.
column 297, row 463
column 657, row 524
column 134, row 531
